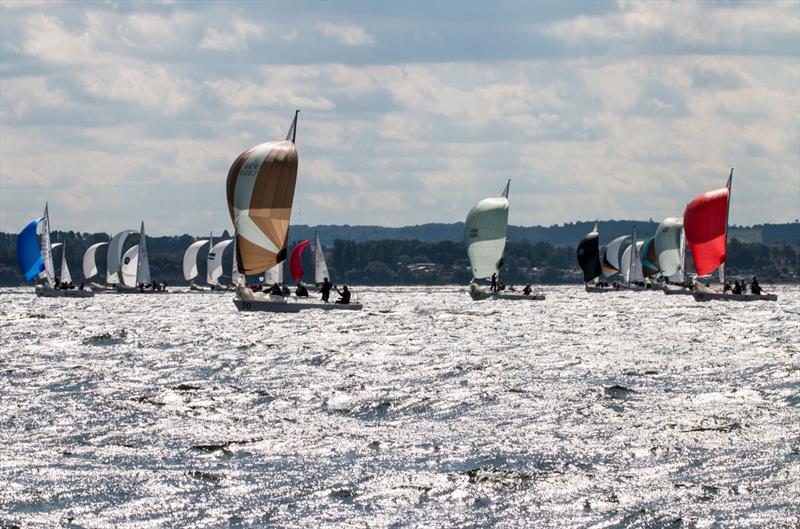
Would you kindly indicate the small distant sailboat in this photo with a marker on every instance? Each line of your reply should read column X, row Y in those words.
column 632, row 274
column 190, row 261
column 670, row 246
column 135, row 270
column 90, row 265
column 611, row 255
column 485, row 236
column 114, row 261
column 35, row 259
column 588, row 253
column 260, row 191
column 213, row 264
column 705, row 222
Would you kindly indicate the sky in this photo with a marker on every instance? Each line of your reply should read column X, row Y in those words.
column 117, row 112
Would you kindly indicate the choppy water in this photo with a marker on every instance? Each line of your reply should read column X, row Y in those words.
column 424, row 410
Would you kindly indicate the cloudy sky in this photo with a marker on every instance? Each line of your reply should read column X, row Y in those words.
column 411, row 112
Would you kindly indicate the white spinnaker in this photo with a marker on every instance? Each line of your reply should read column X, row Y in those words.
column 613, row 250
column 669, row 246
column 485, row 235
column 632, row 263
column 215, row 261
column 129, row 265
column 274, row 274
column 190, row 259
column 47, row 251
column 65, row 276
column 114, row 259
column 143, row 264
column 89, row 262
column 320, row 266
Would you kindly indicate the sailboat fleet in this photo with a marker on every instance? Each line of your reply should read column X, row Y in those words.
column 260, row 193
column 659, row 262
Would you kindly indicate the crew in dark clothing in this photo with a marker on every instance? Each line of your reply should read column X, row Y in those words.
column 325, row 289
column 755, row 288
column 494, row 282
column 737, row 287
column 301, row 291
column 527, row 290
column 276, row 290
column 345, row 296
column 285, row 290
column 727, row 287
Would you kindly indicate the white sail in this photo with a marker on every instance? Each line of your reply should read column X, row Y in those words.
column 190, row 259
column 274, row 274
column 65, row 276
column 114, row 260
column 612, row 253
column 669, row 237
column 632, row 263
column 47, row 251
column 320, row 266
column 89, row 263
column 214, row 268
column 127, row 271
column 143, row 264
column 485, row 235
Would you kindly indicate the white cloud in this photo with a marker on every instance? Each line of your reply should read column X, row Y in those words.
column 151, row 86
column 247, row 94
column 345, row 34
column 21, row 95
column 291, row 36
column 237, row 38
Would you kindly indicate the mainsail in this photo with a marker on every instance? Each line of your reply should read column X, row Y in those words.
column 260, row 192
column 320, row 266
column 114, row 260
column 89, row 262
column 485, row 234
column 214, row 268
column 274, row 275
column 29, row 252
column 295, row 266
column 47, row 251
column 705, row 223
column 669, row 246
column 610, row 261
column 190, row 259
column 589, row 255
column 143, row 263
column 65, row 276
column 632, row 261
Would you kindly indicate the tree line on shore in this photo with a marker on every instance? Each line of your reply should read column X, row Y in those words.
column 404, row 262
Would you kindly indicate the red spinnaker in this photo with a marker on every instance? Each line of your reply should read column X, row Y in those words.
column 295, row 267
column 705, row 223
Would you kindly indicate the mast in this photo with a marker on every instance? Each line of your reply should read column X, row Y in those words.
column 683, row 257
column 208, row 257
column 47, row 251
column 727, row 216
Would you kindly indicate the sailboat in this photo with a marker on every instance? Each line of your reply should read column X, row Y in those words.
column 320, row 266
column 611, row 254
column 35, row 259
column 214, row 264
column 113, row 262
column 260, row 192
column 90, row 266
column 588, row 253
column 190, row 261
column 670, row 246
column 632, row 275
column 705, row 223
column 485, row 236
column 135, row 270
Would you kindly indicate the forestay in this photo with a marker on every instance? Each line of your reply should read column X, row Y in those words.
column 260, row 192
column 485, row 234
column 89, row 260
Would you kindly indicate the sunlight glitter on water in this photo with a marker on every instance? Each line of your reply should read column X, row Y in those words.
column 425, row 409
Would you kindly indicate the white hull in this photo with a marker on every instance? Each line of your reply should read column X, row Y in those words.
column 290, row 305
column 131, row 290
column 47, row 292
column 711, row 296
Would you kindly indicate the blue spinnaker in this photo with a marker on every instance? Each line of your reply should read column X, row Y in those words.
column 29, row 255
